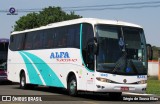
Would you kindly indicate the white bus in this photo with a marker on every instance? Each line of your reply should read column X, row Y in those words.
column 84, row 54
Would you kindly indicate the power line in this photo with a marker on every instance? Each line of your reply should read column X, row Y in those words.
column 115, row 8
column 135, row 5
column 110, row 5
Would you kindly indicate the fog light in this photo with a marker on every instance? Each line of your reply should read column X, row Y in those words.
column 103, row 87
column 143, row 89
column 98, row 86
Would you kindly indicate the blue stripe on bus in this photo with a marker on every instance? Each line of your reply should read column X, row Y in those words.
column 50, row 78
column 81, row 26
column 33, row 76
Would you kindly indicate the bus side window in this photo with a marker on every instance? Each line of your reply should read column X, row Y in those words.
column 19, row 38
column 28, row 41
column 63, row 41
column 61, row 37
column 77, row 37
column 90, row 55
column 12, row 43
column 49, row 36
column 38, row 40
column 49, row 43
column 73, row 36
column 28, row 45
column 70, row 37
column 87, row 46
column 37, row 44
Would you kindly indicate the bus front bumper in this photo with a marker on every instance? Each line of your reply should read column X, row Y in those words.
column 110, row 87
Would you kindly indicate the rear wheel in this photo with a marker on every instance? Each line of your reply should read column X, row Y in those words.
column 72, row 86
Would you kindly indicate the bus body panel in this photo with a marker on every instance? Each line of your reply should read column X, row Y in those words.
column 51, row 67
column 116, row 82
column 53, row 62
column 111, row 87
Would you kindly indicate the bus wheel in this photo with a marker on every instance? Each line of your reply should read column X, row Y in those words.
column 72, row 86
column 115, row 95
column 23, row 81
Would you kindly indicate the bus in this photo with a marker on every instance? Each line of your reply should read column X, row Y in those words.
column 3, row 58
column 85, row 54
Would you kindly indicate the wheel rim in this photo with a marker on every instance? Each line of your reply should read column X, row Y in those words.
column 73, row 86
column 22, row 81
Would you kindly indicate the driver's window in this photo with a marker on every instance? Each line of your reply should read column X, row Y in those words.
column 87, row 46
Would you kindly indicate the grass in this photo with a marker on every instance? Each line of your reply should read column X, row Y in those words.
column 153, row 86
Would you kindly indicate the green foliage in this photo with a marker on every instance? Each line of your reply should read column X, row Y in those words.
column 153, row 86
column 44, row 17
column 156, row 52
column 27, row 22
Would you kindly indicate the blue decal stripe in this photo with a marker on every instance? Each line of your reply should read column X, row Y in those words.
column 50, row 78
column 32, row 74
column 81, row 26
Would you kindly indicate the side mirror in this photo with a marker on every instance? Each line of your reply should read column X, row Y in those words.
column 149, row 52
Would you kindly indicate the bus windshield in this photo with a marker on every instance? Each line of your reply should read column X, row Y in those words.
column 121, row 50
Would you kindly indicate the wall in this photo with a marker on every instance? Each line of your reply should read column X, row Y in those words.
column 153, row 68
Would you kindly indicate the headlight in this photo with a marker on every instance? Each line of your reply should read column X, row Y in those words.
column 103, row 79
column 142, row 82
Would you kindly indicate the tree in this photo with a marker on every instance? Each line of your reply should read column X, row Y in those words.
column 44, row 17
column 26, row 22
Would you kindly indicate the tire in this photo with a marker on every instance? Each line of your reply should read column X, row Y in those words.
column 72, row 86
column 23, row 84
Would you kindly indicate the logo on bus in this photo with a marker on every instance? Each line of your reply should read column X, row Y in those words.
column 104, row 75
column 62, row 57
column 59, row 55
column 141, row 76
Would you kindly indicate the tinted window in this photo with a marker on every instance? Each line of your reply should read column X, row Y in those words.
column 16, row 42
column 49, row 38
column 29, row 41
column 37, row 40
column 87, row 45
column 73, row 36
column 60, row 37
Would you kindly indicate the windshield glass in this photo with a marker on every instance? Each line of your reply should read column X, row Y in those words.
column 121, row 50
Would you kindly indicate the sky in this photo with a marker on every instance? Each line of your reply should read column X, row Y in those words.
column 148, row 18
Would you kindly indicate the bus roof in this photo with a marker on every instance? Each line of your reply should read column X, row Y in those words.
column 3, row 40
column 92, row 21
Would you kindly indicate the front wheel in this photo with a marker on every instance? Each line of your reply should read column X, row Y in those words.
column 72, row 86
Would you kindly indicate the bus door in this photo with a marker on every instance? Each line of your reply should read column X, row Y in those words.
column 90, row 66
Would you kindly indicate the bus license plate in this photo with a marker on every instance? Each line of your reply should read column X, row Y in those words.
column 124, row 88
